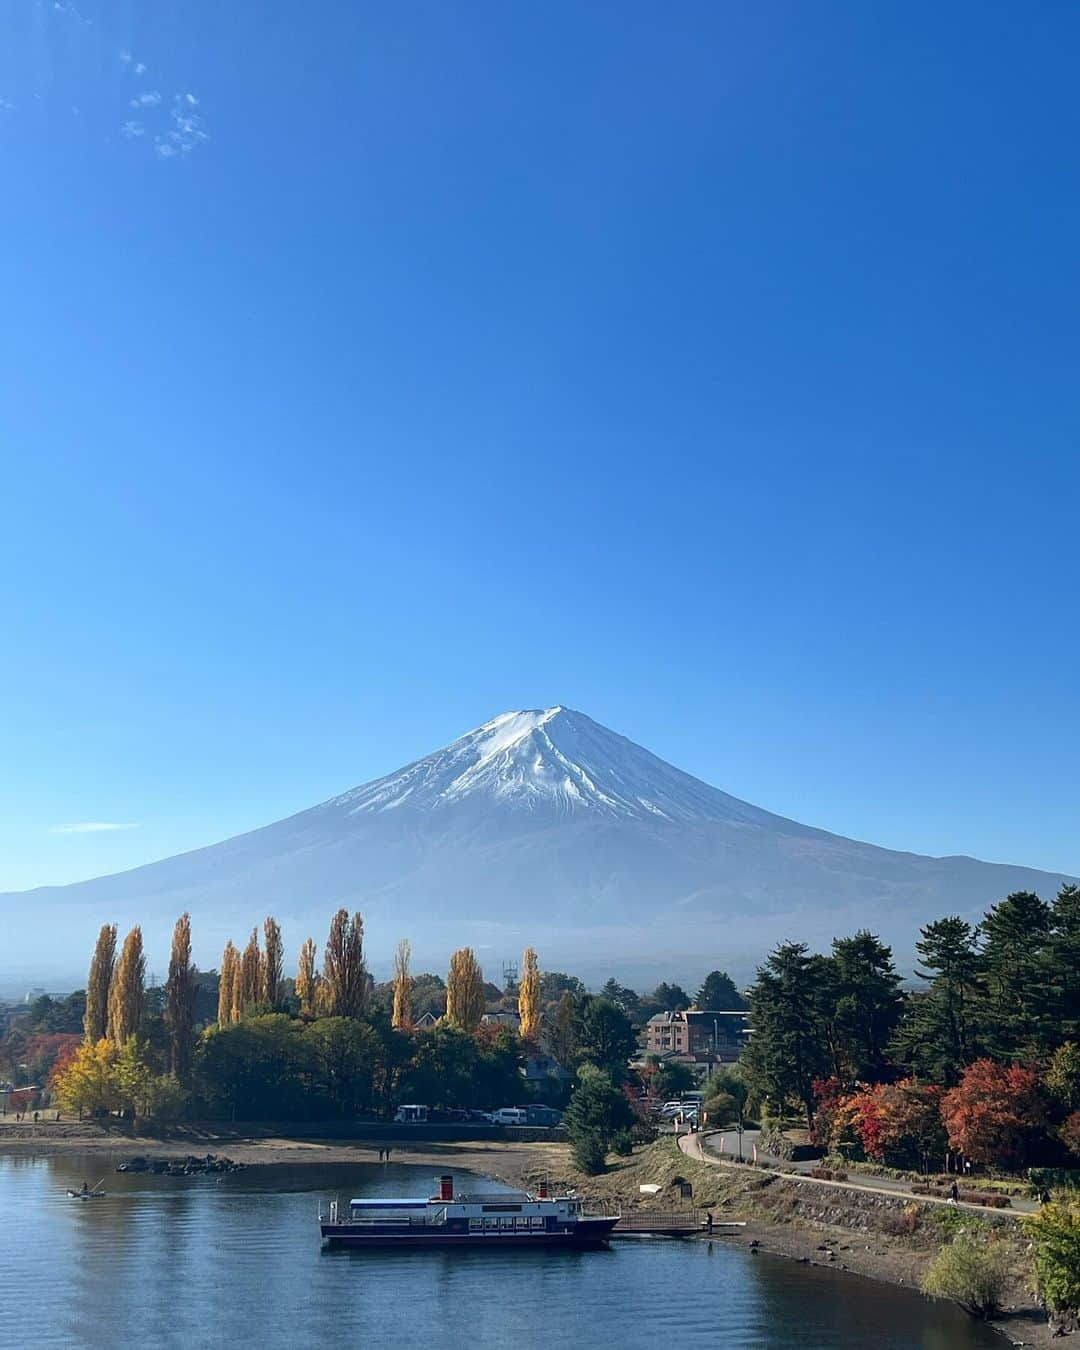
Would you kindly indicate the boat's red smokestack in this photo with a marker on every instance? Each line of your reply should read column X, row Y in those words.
column 542, row 1190
column 446, row 1188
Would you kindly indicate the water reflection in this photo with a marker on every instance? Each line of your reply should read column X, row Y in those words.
column 211, row 1260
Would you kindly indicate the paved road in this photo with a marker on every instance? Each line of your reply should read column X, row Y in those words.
column 703, row 1148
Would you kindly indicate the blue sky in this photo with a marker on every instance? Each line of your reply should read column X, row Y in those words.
column 369, row 370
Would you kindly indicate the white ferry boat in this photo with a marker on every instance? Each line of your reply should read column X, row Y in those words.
column 509, row 1219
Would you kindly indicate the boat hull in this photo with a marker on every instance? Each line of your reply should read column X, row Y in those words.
column 588, row 1233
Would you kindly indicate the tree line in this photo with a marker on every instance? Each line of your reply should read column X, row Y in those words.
column 980, row 1059
column 326, row 1041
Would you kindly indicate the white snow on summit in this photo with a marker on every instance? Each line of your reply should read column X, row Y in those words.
column 539, row 827
column 555, row 760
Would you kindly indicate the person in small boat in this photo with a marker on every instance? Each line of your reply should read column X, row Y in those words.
column 85, row 1189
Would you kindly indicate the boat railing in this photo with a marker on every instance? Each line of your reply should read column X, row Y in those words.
column 330, row 1212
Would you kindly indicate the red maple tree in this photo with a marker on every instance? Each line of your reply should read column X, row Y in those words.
column 994, row 1113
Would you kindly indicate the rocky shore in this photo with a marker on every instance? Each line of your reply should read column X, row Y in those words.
column 890, row 1238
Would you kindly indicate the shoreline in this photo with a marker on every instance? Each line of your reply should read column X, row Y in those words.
column 855, row 1248
column 505, row 1160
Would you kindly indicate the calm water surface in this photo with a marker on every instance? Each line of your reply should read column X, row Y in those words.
column 200, row 1262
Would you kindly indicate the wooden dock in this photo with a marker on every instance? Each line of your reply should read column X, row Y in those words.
column 661, row 1223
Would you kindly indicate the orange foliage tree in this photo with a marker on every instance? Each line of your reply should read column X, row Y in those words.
column 900, row 1123
column 994, row 1113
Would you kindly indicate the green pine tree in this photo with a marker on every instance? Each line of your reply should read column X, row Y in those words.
column 789, row 1047
column 937, row 1038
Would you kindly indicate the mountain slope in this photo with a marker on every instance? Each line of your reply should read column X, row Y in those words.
column 542, row 827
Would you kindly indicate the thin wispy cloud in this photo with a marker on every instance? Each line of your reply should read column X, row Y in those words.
column 93, row 827
column 167, row 120
column 186, row 132
column 66, row 7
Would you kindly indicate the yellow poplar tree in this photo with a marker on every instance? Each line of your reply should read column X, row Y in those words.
column 464, row 991
column 180, row 999
column 345, row 979
column 128, row 993
column 307, row 980
column 529, row 997
column 248, row 988
column 272, row 970
column 102, row 964
column 403, row 1018
column 230, row 960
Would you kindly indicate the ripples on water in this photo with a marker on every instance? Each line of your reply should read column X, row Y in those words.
column 202, row 1261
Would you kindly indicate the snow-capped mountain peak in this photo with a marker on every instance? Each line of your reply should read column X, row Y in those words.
column 554, row 760
column 538, row 827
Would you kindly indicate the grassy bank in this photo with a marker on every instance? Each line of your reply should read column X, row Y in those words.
column 878, row 1236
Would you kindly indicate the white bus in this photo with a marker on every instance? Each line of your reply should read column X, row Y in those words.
column 411, row 1115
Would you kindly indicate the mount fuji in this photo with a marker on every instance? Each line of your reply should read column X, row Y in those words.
column 538, row 827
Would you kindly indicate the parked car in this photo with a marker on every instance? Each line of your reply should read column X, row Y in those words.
column 482, row 1117
column 510, row 1115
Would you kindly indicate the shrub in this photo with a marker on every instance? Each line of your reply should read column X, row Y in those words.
column 777, row 1143
column 828, row 1174
column 1052, row 1179
column 970, row 1273
column 990, row 1199
column 1055, row 1231
column 1069, row 1133
column 903, row 1224
column 589, row 1152
column 951, row 1221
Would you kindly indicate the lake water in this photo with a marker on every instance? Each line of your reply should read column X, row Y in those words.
column 199, row 1261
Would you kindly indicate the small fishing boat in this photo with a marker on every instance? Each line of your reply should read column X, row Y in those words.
column 86, row 1193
